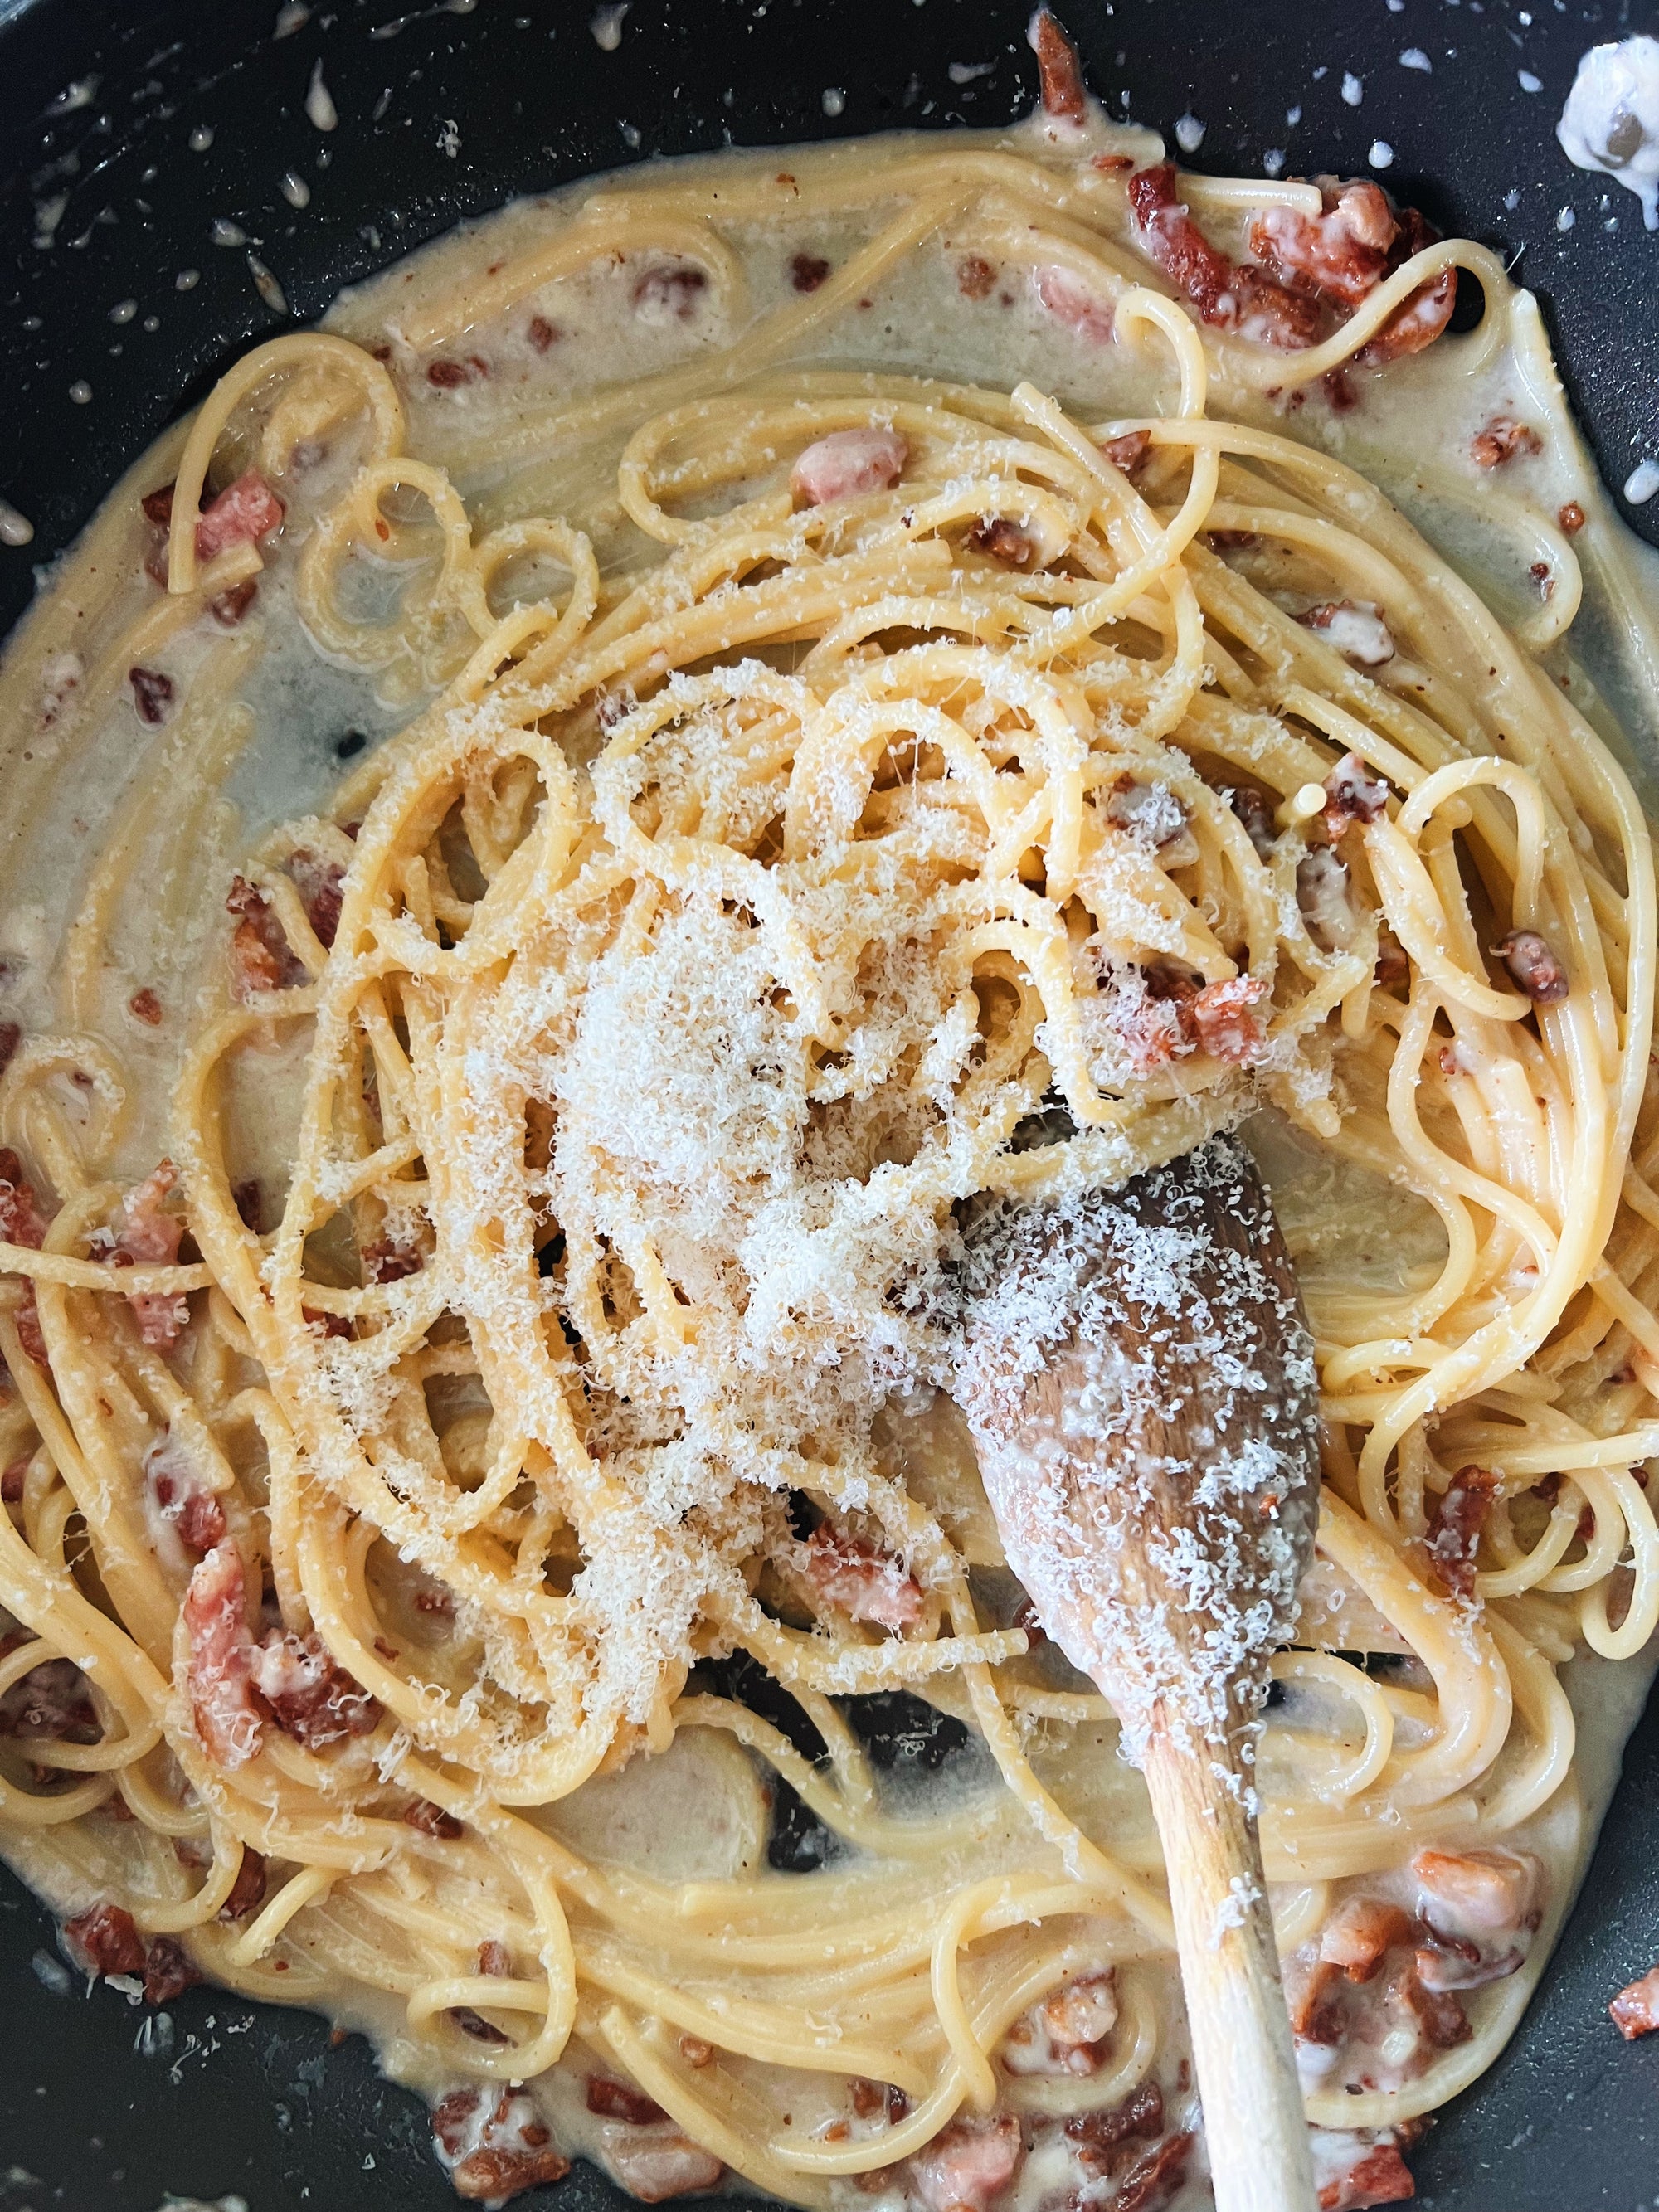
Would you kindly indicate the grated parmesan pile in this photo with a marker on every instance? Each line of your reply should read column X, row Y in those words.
column 1141, row 1387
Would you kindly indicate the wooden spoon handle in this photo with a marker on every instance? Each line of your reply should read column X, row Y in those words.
column 1254, row 2122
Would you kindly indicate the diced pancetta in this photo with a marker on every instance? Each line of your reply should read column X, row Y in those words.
column 877, row 2100
column 169, row 1971
column 220, row 1678
column 848, row 464
column 1072, row 302
column 152, row 694
column 105, row 1939
column 1147, row 1016
column 247, row 1892
column 620, row 2100
column 1354, row 2169
column 1003, row 541
column 1083, row 2010
column 261, row 958
column 857, row 1580
column 449, row 375
column 1351, row 796
column 1097, row 2137
column 1355, row 627
column 1064, row 99
column 22, row 1222
column 229, row 607
column 1342, row 252
column 389, row 1260
column 968, row 2164
column 655, row 2167
column 311, row 1698
column 1479, row 1893
column 1179, row 246
column 1066, row 2032
column 1458, row 1516
column 431, row 1819
column 495, row 2144
column 1150, row 812
column 1127, row 451
column 1504, row 440
column 1535, row 966
column 1635, row 2010
column 244, row 513
column 1225, row 1021
column 670, row 294
column 1309, row 1982
column 1437, row 2015
column 182, row 1513
column 974, row 277
column 1359, row 1933
column 1155, row 2175
column 319, row 883
column 1393, row 965
column 1452, row 1962
column 1419, row 320
column 1245, row 300
column 148, row 1235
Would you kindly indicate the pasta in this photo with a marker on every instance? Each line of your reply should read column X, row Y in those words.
column 547, row 1435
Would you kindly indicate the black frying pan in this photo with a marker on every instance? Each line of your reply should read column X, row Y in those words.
column 97, row 2112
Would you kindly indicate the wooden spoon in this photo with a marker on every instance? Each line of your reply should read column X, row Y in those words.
column 1139, row 1381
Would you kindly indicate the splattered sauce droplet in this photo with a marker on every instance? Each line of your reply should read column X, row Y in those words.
column 319, row 100
column 266, row 285
column 1611, row 120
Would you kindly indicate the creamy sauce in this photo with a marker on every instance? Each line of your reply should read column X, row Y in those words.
column 1611, row 120
column 698, row 1812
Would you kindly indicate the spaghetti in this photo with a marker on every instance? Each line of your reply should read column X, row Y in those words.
column 554, row 1413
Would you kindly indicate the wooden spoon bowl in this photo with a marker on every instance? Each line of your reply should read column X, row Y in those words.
column 1139, row 1381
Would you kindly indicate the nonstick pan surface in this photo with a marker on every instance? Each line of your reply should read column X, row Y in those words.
column 151, row 124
